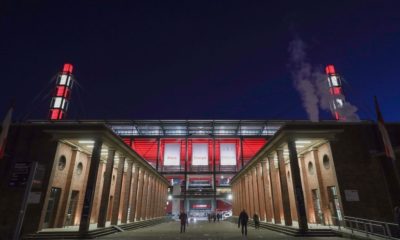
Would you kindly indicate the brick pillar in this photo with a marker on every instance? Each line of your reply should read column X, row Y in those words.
column 255, row 192
column 268, row 201
column 149, row 197
column 105, row 195
column 284, row 188
column 261, row 196
column 128, row 186
column 306, row 188
column 274, row 189
column 322, row 191
column 139, row 194
column 155, row 200
column 90, row 187
column 134, row 191
column 298, row 190
column 142, row 197
column 117, row 193
column 66, row 197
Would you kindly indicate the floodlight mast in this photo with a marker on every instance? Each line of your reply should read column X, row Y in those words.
column 62, row 94
column 336, row 92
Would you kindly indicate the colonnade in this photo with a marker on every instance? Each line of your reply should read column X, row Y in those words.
column 145, row 191
column 263, row 186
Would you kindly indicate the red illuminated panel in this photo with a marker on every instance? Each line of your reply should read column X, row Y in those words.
column 146, row 148
column 336, row 90
column 62, row 91
column 251, row 146
column 56, row 114
column 330, row 69
column 201, row 206
column 68, row 68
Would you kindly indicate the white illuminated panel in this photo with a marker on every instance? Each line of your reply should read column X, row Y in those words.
column 200, row 154
column 228, row 153
column 63, row 79
column 172, row 154
column 339, row 102
column 333, row 81
column 58, row 102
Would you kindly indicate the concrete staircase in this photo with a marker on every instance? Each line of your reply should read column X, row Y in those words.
column 290, row 230
column 97, row 232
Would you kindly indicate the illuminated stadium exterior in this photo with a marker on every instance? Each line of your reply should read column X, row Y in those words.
column 198, row 157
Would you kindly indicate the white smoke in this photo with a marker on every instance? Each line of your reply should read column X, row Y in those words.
column 302, row 74
column 311, row 83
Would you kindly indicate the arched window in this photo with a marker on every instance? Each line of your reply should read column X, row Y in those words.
column 79, row 168
column 62, row 162
column 326, row 162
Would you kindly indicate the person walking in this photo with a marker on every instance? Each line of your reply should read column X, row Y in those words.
column 243, row 219
column 256, row 221
column 184, row 220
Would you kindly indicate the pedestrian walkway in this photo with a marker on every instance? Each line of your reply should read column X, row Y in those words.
column 203, row 230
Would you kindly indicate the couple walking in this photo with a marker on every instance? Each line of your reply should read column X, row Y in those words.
column 244, row 219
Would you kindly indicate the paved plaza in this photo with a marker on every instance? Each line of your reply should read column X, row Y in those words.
column 202, row 230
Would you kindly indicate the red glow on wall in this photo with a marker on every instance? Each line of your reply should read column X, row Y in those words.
column 147, row 148
column 67, row 68
column 223, row 206
column 330, row 69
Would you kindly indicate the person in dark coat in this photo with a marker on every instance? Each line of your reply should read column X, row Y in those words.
column 184, row 220
column 256, row 221
column 243, row 219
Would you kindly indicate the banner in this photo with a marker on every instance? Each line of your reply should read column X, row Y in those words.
column 200, row 154
column 228, row 153
column 172, row 154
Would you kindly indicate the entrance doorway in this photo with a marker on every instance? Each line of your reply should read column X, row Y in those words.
column 52, row 206
column 334, row 205
column 73, row 203
column 317, row 206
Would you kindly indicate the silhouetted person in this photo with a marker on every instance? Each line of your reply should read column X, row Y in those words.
column 243, row 219
column 209, row 217
column 183, row 217
column 256, row 221
column 397, row 218
column 214, row 217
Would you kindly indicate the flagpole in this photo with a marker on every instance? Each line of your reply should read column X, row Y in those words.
column 389, row 152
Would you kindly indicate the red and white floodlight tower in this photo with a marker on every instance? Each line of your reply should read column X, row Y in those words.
column 62, row 93
column 336, row 92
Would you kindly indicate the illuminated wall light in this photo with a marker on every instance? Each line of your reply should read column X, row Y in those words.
column 86, row 141
column 229, row 196
column 89, row 146
column 169, row 197
column 303, row 142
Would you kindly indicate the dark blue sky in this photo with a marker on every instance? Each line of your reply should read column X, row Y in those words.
column 195, row 59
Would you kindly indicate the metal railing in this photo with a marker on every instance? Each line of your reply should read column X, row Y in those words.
column 368, row 227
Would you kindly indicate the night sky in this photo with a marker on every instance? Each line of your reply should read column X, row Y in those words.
column 195, row 59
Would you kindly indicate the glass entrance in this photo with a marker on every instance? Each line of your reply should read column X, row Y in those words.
column 73, row 203
column 52, row 206
column 317, row 206
column 334, row 205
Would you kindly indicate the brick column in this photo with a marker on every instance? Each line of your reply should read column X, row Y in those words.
column 90, row 187
column 244, row 197
column 255, row 192
column 128, row 186
column 149, row 197
column 261, row 196
column 139, row 195
column 298, row 190
column 268, row 200
column 307, row 193
column 117, row 193
column 66, row 197
column 321, row 187
column 284, row 188
column 155, row 208
column 134, row 190
column 274, row 189
column 143, row 197
column 102, row 218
